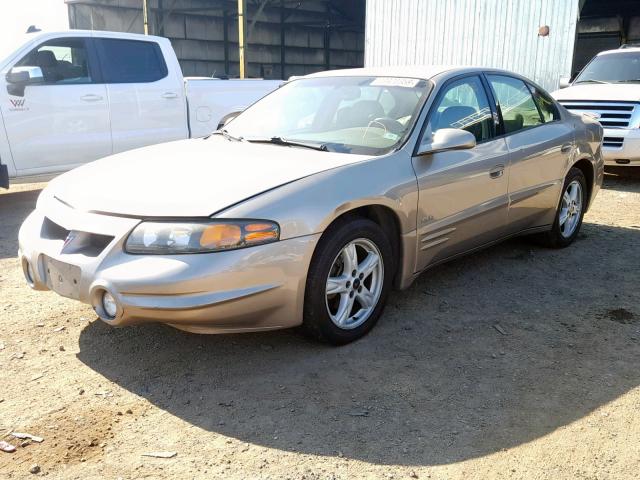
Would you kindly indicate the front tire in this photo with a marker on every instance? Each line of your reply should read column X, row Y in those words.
column 348, row 281
column 571, row 209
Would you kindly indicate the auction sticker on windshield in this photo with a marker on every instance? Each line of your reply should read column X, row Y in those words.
column 395, row 82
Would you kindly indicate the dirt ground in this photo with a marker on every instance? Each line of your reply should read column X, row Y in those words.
column 515, row 363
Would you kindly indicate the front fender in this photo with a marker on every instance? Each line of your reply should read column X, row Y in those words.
column 307, row 206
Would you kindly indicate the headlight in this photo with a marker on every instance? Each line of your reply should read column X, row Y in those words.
column 200, row 237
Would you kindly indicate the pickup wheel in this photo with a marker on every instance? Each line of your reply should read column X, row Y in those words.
column 570, row 213
column 348, row 281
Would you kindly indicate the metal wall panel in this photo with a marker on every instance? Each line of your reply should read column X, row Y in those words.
column 492, row 33
column 317, row 35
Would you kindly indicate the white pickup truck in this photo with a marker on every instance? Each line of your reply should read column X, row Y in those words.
column 67, row 98
column 608, row 88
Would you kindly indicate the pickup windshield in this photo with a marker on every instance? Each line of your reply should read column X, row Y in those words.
column 361, row 115
column 612, row 68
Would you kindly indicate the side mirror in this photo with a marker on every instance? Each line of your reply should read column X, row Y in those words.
column 565, row 82
column 447, row 139
column 226, row 119
column 19, row 77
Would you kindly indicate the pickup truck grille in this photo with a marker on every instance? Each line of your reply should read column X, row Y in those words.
column 612, row 114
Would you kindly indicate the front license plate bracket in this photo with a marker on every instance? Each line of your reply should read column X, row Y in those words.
column 62, row 278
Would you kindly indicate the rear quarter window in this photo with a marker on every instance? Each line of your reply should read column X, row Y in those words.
column 130, row 61
column 546, row 105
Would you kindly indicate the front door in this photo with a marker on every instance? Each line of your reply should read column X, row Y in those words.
column 63, row 121
column 463, row 201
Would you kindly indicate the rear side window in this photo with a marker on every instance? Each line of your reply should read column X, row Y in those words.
column 519, row 111
column 130, row 61
column 545, row 104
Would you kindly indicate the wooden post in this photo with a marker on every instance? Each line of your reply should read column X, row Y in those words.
column 242, row 29
column 145, row 17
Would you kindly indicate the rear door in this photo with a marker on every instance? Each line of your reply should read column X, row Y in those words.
column 63, row 121
column 463, row 193
column 540, row 143
column 146, row 98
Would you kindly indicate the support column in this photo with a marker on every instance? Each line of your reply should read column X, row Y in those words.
column 242, row 31
column 282, row 41
column 225, row 32
column 145, row 17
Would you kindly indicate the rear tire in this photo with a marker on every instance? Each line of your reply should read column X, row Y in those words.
column 348, row 281
column 570, row 212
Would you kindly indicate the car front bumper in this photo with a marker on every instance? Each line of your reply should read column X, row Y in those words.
column 621, row 146
column 251, row 289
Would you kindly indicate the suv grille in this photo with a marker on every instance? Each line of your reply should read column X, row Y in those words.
column 612, row 114
column 613, row 142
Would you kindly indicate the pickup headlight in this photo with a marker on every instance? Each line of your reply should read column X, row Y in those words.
column 200, row 237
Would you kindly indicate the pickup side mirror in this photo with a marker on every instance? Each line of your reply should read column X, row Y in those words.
column 565, row 82
column 19, row 77
column 447, row 139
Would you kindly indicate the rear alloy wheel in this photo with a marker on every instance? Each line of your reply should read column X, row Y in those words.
column 570, row 211
column 348, row 281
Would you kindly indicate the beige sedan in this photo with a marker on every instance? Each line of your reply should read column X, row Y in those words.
column 309, row 207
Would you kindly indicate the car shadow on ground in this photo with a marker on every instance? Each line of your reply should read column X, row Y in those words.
column 14, row 208
column 479, row 355
column 622, row 179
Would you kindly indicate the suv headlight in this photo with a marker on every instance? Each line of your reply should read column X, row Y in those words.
column 200, row 237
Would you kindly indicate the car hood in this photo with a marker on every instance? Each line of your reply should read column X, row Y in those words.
column 188, row 178
column 617, row 92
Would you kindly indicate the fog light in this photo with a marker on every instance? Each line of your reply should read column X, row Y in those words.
column 109, row 304
column 27, row 270
column 30, row 274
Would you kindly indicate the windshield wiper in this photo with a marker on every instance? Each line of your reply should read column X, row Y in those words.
column 592, row 80
column 630, row 80
column 289, row 143
column 227, row 135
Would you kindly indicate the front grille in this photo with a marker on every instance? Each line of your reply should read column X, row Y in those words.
column 85, row 243
column 611, row 114
column 52, row 231
column 612, row 142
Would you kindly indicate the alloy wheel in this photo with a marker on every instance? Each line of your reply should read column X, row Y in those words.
column 570, row 209
column 354, row 284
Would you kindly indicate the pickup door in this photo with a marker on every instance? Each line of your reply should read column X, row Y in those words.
column 146, row 97
column 64, row 120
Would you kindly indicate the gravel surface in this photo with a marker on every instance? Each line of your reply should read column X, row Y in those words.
column 517, row 362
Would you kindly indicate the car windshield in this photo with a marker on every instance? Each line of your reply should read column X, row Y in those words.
column 612, row 68
column 361, row 115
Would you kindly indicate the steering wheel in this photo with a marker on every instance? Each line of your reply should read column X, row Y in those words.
column 390, row 124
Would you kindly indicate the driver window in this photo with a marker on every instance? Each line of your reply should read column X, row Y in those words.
column 463, row 105
column 62, row 61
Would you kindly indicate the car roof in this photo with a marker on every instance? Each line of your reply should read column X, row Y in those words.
column 425, row 72
column 620, row 50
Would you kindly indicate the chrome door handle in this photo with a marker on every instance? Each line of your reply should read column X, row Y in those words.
column 169, row 95
column 566, row 148
column 497, row 171
column 91, row 98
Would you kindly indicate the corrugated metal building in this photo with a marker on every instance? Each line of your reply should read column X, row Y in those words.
column 285, row 37
column 508, row 34
column 496, row 33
